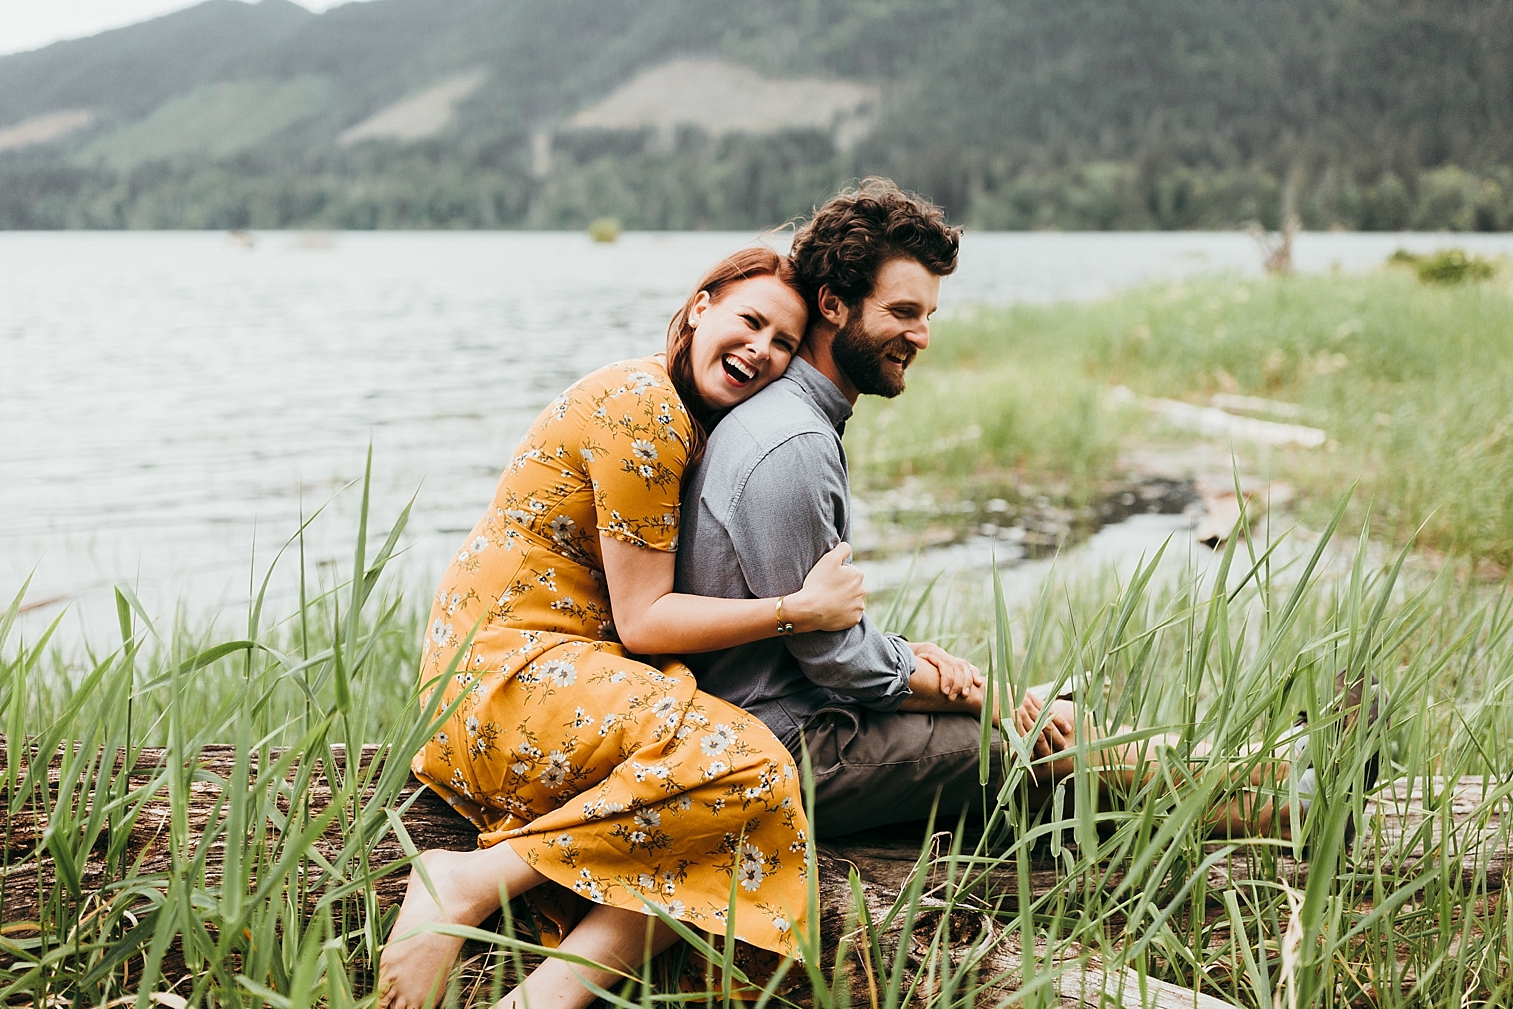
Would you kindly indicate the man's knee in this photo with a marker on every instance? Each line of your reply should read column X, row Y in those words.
column 890, row 767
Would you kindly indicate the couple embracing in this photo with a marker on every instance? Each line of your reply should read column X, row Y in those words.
column 655, row 615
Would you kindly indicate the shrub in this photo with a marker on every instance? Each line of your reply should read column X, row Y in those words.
column 1447, row 266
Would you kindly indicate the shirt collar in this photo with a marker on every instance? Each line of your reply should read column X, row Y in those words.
column 821, row 390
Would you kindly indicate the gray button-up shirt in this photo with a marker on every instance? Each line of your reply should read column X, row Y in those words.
column 769, row 498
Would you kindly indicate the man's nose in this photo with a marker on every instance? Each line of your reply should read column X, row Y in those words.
column 919, row 334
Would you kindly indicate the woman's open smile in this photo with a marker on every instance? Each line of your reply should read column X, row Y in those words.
column 739, row 372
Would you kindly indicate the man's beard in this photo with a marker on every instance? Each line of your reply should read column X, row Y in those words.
column 861, row 355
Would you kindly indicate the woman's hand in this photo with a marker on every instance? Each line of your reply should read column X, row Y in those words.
column 832, row 598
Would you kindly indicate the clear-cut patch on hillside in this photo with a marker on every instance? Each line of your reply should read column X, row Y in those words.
column 218, row 120
column 418, row 116
column 721, row 97
column 41, row 129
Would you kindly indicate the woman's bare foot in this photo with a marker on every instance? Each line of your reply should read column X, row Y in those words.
column 611, row 936
column 412, row 971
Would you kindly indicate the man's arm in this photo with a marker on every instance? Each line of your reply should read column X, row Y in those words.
column 955, row 677
column 788, row 513
column 927, row 692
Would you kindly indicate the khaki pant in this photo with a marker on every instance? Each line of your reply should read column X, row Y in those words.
column 876, row 767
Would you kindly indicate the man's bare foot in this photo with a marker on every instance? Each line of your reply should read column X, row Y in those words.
column 412, row 972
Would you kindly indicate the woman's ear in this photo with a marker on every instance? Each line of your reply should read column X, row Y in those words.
column 831, row 307
column 696, row 312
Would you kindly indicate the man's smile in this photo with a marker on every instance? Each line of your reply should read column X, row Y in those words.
column 903, row 356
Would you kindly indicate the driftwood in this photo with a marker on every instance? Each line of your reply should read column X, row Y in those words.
column 430, row 822
column 887, row 858
column 884, row 859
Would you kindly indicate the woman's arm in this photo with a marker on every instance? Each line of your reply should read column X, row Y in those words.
column 652, row 619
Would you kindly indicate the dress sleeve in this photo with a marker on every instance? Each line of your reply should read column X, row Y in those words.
column 635, row 449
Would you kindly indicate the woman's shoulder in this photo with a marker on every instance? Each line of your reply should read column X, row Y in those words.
column 642, row 379
column 627, row 376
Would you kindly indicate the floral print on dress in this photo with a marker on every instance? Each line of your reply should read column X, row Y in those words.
column 618, row 780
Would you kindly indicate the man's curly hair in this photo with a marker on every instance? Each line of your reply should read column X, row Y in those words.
column 850, row 238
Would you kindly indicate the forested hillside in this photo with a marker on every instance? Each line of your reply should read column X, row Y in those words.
column 1375, row 114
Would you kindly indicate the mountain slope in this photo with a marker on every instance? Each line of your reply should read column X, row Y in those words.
column 1014, row 113
column 129, row 71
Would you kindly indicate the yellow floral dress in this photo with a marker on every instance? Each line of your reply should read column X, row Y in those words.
column 615, row 778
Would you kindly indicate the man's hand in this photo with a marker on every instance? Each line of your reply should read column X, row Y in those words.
column 933, row 668
column 957, row 677
column 928, row 692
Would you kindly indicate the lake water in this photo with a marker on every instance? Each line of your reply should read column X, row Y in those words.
column 172, row 403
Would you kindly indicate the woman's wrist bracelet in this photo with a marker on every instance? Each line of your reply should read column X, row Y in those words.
column 784, row 627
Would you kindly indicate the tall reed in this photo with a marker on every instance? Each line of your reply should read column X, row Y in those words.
column 1207, row 671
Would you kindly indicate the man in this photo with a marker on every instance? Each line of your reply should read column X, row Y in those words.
column 888, row 723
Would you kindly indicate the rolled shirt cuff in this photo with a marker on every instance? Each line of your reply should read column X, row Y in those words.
column 896, row 693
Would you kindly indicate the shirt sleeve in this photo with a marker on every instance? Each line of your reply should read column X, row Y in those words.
column 790, row 513
column 634, row 449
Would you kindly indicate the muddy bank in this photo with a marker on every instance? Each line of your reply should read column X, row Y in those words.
column 1019, row 525
column 906, row 537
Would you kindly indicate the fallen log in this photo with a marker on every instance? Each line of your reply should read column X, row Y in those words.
column 1399, row 831
column 27, row 871
column 884, row 860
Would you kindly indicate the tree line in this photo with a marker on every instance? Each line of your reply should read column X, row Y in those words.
column 1069, row 114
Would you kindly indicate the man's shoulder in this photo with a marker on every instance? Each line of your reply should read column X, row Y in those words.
column 765, row 421
column 779, row 426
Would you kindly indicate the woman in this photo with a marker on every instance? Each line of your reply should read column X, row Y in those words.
column 582, row 767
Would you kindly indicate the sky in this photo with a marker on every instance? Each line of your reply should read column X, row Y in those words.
column 30, row 24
